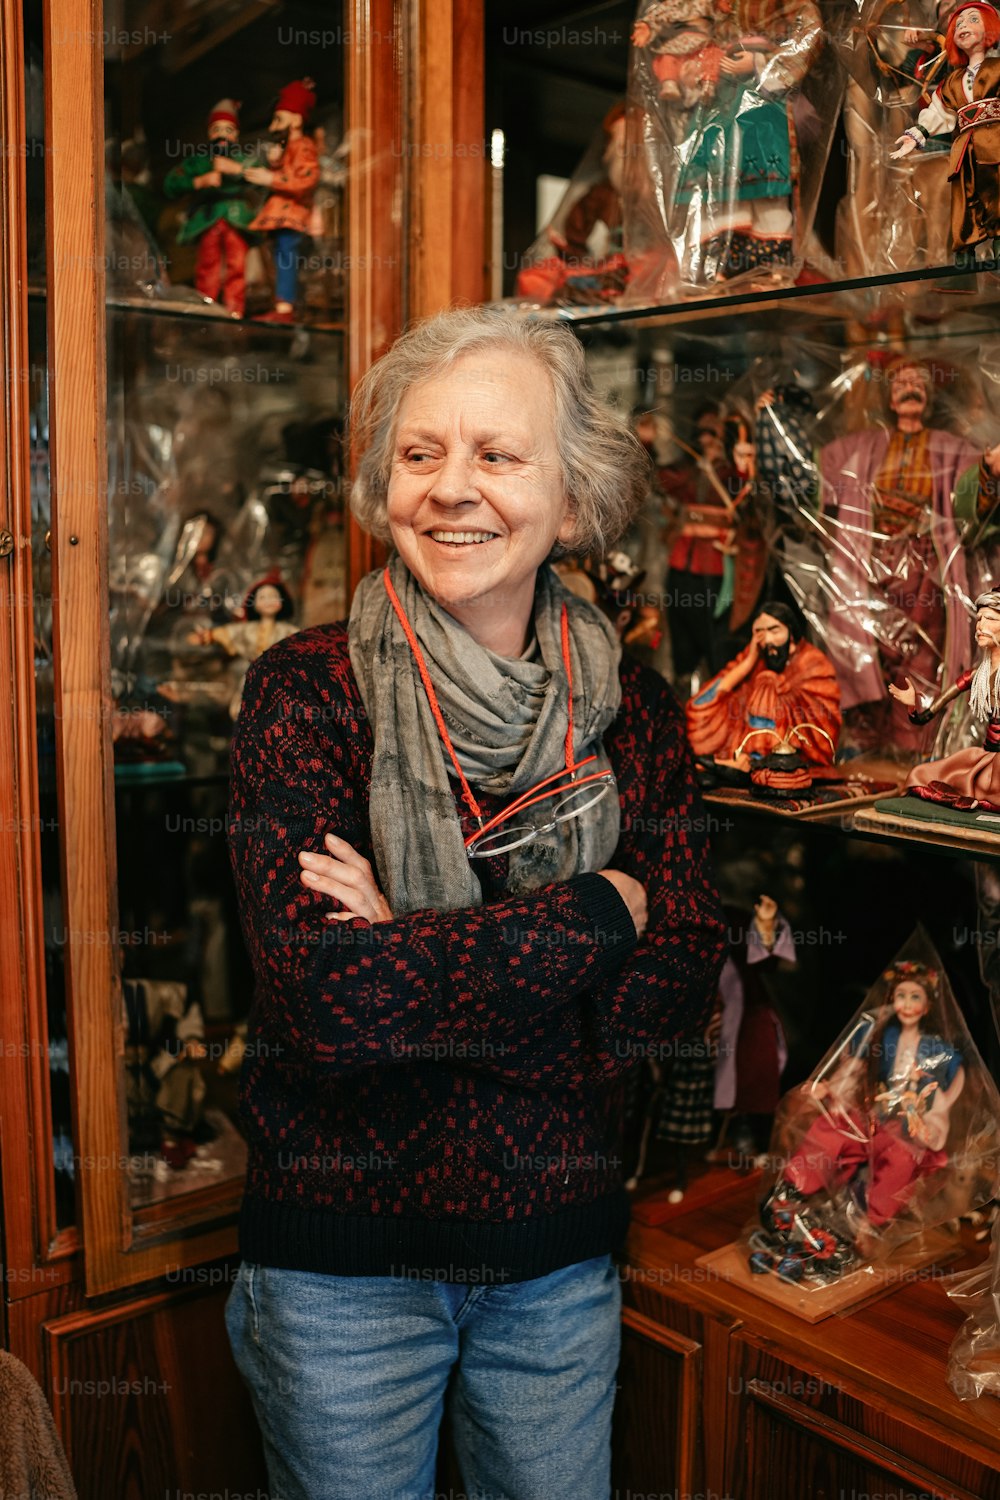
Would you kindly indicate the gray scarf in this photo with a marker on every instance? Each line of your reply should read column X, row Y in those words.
column 507, row 721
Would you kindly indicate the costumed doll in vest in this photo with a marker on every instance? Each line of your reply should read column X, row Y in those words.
column 967, row 107
column 895, row 1133
column 291, row 178
column 220, row 221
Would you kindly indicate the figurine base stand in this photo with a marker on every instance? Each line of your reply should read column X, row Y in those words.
column 813, row 1304
column 913, row 818
column 823, row 797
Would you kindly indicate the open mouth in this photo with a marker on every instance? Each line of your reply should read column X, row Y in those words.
column 459, row 539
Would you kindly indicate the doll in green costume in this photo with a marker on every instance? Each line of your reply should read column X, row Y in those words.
column 220, row 218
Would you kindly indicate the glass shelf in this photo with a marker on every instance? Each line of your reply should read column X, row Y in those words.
column 211, row 313
column 943, row 290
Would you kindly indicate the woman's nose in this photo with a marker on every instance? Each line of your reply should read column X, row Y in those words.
column 454, row 482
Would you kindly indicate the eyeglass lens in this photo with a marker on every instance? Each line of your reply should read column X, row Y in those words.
column 564, row 806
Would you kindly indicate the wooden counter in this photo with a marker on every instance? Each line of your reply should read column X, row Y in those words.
column 724, row 1395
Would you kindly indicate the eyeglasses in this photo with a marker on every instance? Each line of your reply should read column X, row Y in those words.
column 558, row 798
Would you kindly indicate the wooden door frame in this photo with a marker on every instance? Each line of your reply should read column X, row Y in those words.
column 35, row 1254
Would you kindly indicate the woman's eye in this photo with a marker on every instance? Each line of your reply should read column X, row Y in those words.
column 496, row 458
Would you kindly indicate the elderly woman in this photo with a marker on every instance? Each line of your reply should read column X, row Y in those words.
column 475, row 889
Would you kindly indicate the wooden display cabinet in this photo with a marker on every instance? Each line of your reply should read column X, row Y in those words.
column 721, row 1393
column 114, row 1296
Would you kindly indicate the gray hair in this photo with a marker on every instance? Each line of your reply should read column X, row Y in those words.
column 604, row 466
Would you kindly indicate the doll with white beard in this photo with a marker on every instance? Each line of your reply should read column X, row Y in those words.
column 970, row 779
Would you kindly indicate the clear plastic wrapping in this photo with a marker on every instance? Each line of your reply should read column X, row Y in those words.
column 895, row 1133
column 879, row 479
column 974, row 1357
column 895, row 214
column 577, row 258
column 732, row 111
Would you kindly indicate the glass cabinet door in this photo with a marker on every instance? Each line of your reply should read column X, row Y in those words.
column 204, row 316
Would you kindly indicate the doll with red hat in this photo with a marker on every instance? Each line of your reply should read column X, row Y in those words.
column 220, row 221
column 967, row 106
column 292, row 178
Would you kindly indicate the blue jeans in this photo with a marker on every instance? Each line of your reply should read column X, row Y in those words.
column 348, row 1376
column 286, row 245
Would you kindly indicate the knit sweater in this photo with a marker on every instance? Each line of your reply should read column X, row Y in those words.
column 439, row 1095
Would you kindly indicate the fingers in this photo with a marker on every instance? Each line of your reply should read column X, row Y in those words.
column 348, row 878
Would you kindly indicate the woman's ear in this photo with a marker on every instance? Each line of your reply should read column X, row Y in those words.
column 567, row 526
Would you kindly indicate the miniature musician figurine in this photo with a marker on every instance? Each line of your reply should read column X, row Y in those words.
column 292, row 178
column 968, row 104
column 779, row 682
column 266, row 610
column 894, row 1118
column 220, row 223
column 969, row 779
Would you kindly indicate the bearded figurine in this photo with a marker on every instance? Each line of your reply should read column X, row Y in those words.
column 779, row 683
column 897, row 568
column 969, row 780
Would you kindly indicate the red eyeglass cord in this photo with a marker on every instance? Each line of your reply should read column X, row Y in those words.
column 468, row 795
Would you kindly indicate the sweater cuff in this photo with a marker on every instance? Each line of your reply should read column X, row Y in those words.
column 610, row 919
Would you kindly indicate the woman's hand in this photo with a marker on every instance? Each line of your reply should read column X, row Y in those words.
column 347, row 876
column 633, row 893
column 904, row 145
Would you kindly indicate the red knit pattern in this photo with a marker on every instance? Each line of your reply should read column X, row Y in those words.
column 447, row 1045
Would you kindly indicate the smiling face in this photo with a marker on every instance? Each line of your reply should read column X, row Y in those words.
column 476, row 496
column 970, row 31
column 910, row 1002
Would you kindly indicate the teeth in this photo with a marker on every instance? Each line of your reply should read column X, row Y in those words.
column 462, row 536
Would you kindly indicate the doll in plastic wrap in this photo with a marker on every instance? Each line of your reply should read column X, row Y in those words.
column 266, row 621
column 969, row 780
column 585, row 234
column 895, row 1132
column 291, row 181
column 716, row 556
column 894, row 217
column 220, row 221
column 720, row 80
column 895, row 577
column 780, row 682
column 967, row 107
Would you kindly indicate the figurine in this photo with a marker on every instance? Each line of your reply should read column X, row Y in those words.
column 580, row 271
column 266, row 621
column 220, row 223
column 894, row 218
column 970, row 779
column 886, row 1106
column 897, row 568
column 967, row 105
column 716, row 559
column 752, row 1046
column 291, row 178
column 780, row 682
column 721, row 83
